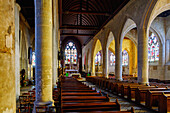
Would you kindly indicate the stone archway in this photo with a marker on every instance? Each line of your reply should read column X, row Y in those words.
column 95, row 49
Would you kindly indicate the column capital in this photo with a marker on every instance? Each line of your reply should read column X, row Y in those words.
column 18, row 6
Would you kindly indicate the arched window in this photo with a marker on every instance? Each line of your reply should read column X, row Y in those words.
column 125, row 58
column 70, row 53
column 98, row 58
column 33, row 58
column 112, row 59
column 153, row 48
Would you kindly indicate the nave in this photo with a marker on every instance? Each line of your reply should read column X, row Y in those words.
column 123, row 46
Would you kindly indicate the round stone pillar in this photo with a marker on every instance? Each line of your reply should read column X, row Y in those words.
column 105, row 63
column 43, row 52
column 55, row 42
column 17, row 52
column 142, row 57
column 93, row 67
column 118, row 60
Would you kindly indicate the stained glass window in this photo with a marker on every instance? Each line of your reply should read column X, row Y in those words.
column 98, row 58
column 112, row 59
column 153, row 48
column 70, row 53
column 125, row 58
column 33, row 58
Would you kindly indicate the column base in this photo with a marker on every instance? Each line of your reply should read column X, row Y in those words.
column 37, row 104
column 119, row 79
column 93, row 74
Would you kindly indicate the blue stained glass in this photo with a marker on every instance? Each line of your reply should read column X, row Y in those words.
column 33, row 58
column 98, row 58
column 125, row 58
column 112, row 59
column 70, row 53
column 153, row 48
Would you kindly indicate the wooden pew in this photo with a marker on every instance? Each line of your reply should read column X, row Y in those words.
column 152, row 98
column 76, row 88
column 82, row 99
column 108, row 83
column 132, row 89
column 164, row 103
column 78, row 100
column 88, row 90
column 140, row 94
column 124, row 88
column 82, row 94
column 89, row 107
column 115, row 87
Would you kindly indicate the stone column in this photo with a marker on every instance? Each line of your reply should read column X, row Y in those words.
column 132, row 57
column 167, row 50
column 105, row 63
column 43, row 52
column 55, row 42
column 7, row 57
column 87, row 62
column 118, row 60
column 142, row 56
column 17, row 53
column 93, row 67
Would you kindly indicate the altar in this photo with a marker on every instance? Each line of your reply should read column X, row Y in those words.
column 75, row 75
column 71, row 71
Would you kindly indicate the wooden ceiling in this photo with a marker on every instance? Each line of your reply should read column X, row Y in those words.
column 81, row 19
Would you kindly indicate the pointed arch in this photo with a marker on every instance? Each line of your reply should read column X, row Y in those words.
column 160, row 6
column 96, row 47
column 110, row 38
column 129, row 25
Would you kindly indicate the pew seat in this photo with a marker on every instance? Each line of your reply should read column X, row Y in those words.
column 100, row 106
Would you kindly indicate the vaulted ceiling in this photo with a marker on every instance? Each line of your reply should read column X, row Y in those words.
column 81, row 19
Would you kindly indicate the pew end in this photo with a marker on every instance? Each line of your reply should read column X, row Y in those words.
column 132, row 110
column 117, row 102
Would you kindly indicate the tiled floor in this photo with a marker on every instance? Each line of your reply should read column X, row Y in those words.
column 125, row 105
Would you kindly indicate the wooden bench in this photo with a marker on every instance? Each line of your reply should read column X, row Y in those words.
column 118, row 87
column 89, row 107
column 80, row 99
column 77, row 88
column 82, row 94
column 164, row 103
column 124, row 88
column 88, row 90
column 107, row 84
column 140, row 94
column 152, row 98
column 114, row 86
column 132, row 89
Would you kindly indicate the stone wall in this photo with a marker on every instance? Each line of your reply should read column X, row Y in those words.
column 7, row 57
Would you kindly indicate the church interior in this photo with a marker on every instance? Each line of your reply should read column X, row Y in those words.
column 79, row 56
